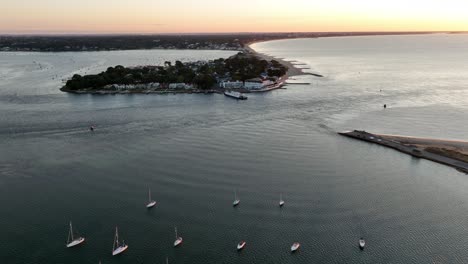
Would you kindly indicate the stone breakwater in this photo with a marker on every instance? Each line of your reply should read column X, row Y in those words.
column 450, row 158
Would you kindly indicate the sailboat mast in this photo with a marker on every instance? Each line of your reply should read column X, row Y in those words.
column 235, row 194
column 149, row 195
column 71, row 231
column 175, row 228
column 116, row 239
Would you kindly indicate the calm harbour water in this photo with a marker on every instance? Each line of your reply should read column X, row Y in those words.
column 194, row 150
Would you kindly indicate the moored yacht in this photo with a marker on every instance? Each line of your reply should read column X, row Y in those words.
column 236, row 200
column 362, row 243
column 178, row 240
column 295, row 247
column 117, row 247
column 151, row 203
column 71, row 240
column 241, row 245
column 281, row 201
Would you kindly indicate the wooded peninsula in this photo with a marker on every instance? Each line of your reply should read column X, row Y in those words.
column 244, row 72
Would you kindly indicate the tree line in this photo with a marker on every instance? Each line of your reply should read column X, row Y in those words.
column 239, row 67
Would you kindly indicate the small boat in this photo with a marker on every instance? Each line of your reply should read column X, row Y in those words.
column 71, row 240
column 362, row 243
column 178, row 240
column 295, row 247
column 151, row 203
column 118, row 247
column 236, row 200
column 241, row 245
column 235, row 95
column 91, row 128
column 281, row 201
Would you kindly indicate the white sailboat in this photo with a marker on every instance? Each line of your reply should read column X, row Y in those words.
column 295, row 246
column 118, row 248
column 151, row 203
column 71, row 241
column 362, row 243
column 281, row 201
column 178, row 240
column 236, row 200
column 241, row 245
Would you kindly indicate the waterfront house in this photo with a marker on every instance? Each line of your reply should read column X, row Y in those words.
column 253, row 84
column 174, row 86
column 231, row 85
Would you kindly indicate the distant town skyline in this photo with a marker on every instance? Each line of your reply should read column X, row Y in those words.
column 210, row 16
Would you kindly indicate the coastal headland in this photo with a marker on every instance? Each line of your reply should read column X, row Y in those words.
column 245, row 72
column 452, row 153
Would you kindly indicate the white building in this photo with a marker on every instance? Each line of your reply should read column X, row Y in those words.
column 133, row 86
column 180, row 86
column 253, row 85
column 231, row 85
column 122, row 86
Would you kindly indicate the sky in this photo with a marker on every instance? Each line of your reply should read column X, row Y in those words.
column 215, row 16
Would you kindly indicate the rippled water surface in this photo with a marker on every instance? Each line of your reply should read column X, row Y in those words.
column 194, row 150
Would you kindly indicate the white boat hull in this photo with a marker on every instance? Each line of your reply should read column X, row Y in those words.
column 119, row 250
column 295, row 247
column 281, row 203
column 241, row 246
column 236, row 203
column 151, row 205
column 76, row 242
column 362, row 244
column 178, row 241
column 235, row 95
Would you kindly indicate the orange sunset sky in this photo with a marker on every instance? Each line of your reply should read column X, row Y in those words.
column 184, row 16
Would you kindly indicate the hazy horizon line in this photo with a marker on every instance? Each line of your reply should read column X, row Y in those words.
column 211, row 33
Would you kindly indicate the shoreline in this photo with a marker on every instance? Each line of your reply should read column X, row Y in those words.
column 166, row 91
column 292, row 69
column 220, row 41
column 447, row 152
column 284, row 70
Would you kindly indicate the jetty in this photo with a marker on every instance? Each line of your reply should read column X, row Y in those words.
column 448, row 152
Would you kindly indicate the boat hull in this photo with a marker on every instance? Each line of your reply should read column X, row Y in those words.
column 119, row 250
column 236, row 96
column 76, row 242
column 236, row 203
column 241, row 246
column 178, row 242
column 295, row 247
column 362, row 244
column 151, row 205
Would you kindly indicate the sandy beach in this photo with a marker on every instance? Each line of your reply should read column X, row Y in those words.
column 293, row 70
column 455, row 149
column 460, row 145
